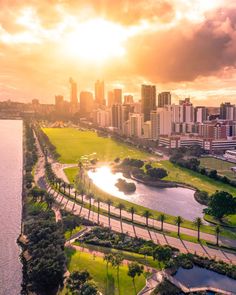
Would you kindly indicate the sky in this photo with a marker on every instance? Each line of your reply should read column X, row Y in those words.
column 186, row 47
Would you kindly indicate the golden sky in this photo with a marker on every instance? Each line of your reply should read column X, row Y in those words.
column 186, row 47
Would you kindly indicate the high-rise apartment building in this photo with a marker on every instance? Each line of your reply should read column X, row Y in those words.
column 148, row 100
column 73, row 94
column 161, row 122
column 136, row 125
column 86, row 102
column 227, row 111
column 128, row 99
column 200, row 114
column 116, row 116
column 110, row 98
column 118, row 96
column 164, row 98
column 99, row 93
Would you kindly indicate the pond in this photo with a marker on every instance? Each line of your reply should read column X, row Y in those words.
column 201, row 277
column 173, row 201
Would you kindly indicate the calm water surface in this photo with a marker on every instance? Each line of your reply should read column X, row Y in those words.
column 201, row 277
column 173, row 201
column 10, row 205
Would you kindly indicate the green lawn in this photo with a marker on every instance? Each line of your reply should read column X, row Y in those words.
column 107, row 284
column 195, row 179
column 223, row 168
column 72, row 144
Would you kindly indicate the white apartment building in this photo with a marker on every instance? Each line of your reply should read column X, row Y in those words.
column 136, row 125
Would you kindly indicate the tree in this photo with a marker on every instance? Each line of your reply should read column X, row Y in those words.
column 147, row 214
column 217, row 231
column 121, row 206
column 134, row 269
column 78, row 284
column 108, row 258
column 69, row 187
column 162, row 254
column 146, row 250
column 98, row 200
column 75, row 195
column 213, row 174
column 49, row 200
column 222, row 203
column 132, row 210
column 178, row 222
column 116, row 261
column 109, row 203
column 162, row 218
column 64, row 187
column 157, row 173
column 198, row 223
column 90, row 196
column 82, row 193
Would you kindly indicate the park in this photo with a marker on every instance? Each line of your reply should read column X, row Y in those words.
column 75, row 145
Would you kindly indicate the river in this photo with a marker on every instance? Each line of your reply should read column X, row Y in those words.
column 11, row 162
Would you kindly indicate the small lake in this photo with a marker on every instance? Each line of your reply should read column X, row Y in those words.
column 173, row 201
column 201, row 277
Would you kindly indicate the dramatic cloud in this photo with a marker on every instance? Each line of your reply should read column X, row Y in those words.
column 188, row 47
column 187, row 51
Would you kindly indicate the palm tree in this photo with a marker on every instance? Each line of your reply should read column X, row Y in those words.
column 59, row 182
column 132, row 210
column 82, row 192
column 49, row 200
column 162, row 218
column 116, row 262
column 90, row 196
column 64, row 187
column 109, row 203
column 147, row 214
column 69, row 187
column 178, row 221
column 108, row 258
column 98, row 200
column 120, row 206
column 217, row 231
column 198, row 223
column 75, row 195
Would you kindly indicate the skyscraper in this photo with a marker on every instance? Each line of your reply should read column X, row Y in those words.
column 128, row 99
column 118, row 96
column 164, row 98
column 116, row 116
column 99, row 93
column 148, row 100
column 200, row 114
column 227, row 111
column 110, row 98
column 86, row 102
column 73, row 94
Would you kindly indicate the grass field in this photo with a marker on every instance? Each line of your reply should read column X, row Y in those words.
column 107, row 284
column 195, row 179
column 72, row 144
column 222, row 167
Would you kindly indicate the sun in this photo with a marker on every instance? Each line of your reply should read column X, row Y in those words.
column 96, row 40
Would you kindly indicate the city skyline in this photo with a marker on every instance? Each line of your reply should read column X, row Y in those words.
column 182, row 48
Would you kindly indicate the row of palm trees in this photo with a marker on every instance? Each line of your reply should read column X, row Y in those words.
column 132, row 210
